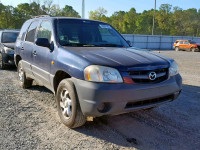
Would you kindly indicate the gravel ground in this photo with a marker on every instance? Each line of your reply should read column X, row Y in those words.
column 28, row 118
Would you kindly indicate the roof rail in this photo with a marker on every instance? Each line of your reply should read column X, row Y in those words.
column 41, row 16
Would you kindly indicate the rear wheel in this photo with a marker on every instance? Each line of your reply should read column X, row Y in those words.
column 68, row 105
column 2, row 65
column 176, row 48
column 24, row 82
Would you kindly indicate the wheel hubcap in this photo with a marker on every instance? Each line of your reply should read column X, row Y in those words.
column 66, row 104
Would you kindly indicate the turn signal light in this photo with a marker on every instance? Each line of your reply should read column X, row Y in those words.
column 128, row 80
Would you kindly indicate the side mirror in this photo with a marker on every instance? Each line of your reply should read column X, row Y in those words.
column 44, row 42
column 129, row 43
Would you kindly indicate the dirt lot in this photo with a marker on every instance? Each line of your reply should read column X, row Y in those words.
column 28, row 118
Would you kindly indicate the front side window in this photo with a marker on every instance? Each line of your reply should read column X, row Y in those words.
column 9, row 37
column 181, row 42
column 45, row 30
column 30, row 36
column 88, row 33
column 186, row 42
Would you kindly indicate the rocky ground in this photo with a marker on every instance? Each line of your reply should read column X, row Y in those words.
column 28, row 118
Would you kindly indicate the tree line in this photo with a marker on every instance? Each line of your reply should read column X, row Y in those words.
column 168, row 21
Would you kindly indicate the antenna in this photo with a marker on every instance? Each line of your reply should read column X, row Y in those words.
column 83, row 8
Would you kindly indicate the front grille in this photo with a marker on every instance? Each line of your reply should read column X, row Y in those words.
column 142, row 77
column 149, row 101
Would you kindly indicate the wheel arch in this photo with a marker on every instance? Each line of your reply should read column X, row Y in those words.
column 59, row 76
column 17, row 59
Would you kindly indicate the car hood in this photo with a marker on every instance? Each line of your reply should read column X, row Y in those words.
column 121, row 58
column 9, row 45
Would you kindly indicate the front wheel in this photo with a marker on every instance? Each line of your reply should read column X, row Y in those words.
column 176, row 48
column 68, row 105
column 24, row 82
column 193, row 49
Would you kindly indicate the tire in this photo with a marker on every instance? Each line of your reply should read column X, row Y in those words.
column 176, row 48
column 193, row 49
column 2, row 65
column 68, row 105
column 24, row 82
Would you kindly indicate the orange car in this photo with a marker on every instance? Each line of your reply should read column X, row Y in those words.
column 186, row 45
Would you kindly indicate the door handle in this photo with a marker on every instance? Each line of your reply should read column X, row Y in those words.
column 34, row 53
column 22, row 48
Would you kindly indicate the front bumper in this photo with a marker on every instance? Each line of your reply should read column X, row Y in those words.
column 98, row 99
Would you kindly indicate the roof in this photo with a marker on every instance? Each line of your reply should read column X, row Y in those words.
column 10, row 30
column 61, row 17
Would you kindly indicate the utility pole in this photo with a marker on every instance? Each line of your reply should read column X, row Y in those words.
column 154, row 15
column 83, row 8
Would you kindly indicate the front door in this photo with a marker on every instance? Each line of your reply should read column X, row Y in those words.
column 187, row 46
column 42, row 56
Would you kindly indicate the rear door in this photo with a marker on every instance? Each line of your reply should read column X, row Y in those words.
column 42, row 55
column 27, row 47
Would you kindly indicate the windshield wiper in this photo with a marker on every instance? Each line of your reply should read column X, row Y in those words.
column 79, row 45
column 110, row 45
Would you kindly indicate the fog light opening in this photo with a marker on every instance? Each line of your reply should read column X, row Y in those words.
column 104, row 107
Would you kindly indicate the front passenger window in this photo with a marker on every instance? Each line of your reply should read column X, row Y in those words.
column 45, row 30
column 186, row 42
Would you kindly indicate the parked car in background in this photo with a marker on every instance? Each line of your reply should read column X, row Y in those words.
column 186, row 45
column 91, row 69
column 7, row 42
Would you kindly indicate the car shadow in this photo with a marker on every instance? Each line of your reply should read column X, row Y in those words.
column 39, row 88
column 10, row 69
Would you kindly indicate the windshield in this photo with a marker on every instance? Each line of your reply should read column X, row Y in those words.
column 9, row 37
column 82, row 33
column 192, row 42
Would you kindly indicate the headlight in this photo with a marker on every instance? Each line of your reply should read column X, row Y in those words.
column 9, row 51
column 102, row 74
column 173, row 70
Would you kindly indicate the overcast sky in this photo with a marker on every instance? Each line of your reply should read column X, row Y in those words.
column 114, row 5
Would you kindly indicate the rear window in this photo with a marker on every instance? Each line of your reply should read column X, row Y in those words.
column 9, row 37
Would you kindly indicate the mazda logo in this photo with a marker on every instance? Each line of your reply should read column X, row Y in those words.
column 152, row 76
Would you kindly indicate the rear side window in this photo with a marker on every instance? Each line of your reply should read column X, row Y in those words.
column 45, row 30
column 23, row 30
column 30, row 36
